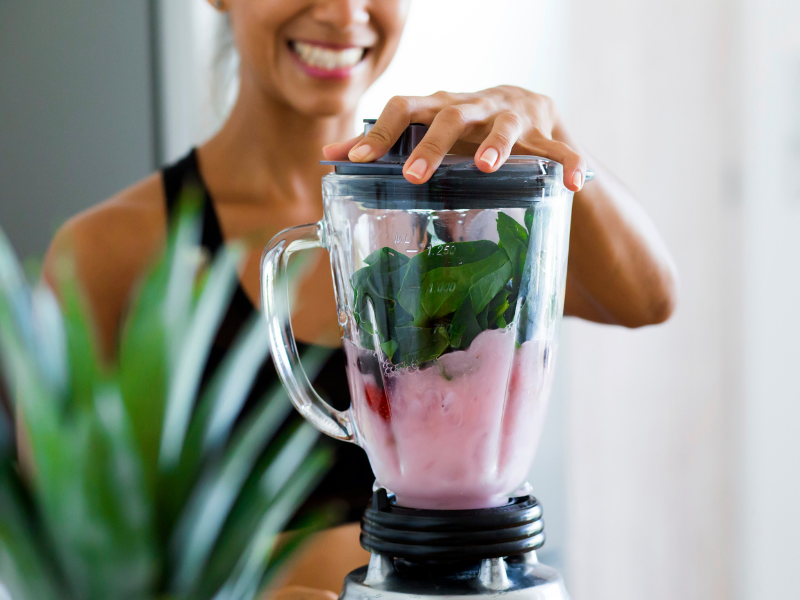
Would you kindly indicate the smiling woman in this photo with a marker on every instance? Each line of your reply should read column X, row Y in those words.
column 303, row 66
column 327, row 61
column 300, row 55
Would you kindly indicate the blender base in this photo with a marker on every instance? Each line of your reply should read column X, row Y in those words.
column 453, row 553
column 516, row 578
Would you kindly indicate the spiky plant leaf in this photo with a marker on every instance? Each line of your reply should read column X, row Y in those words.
column 184, row 385
column 246, row 578
column 95, row 524
column 235, row 381
column 25, row 570
column 88, row 485
column 15, row 294
column 262, row 511
column 85, row 368
column 153, row 330
column 220, row 405
column 144, row 370
column 222, row 401
column 26, row 566
column 214, row 497
column 183, row 254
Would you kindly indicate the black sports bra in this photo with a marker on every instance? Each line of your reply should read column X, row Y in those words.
column 349, row 483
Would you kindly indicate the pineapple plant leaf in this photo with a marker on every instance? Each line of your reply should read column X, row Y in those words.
column 138, row 488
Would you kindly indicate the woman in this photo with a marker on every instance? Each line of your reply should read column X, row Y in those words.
column 304, row 65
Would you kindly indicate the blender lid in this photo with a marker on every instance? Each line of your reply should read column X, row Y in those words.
column 517, row 169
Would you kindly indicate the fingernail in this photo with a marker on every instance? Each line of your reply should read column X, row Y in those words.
column 418, row 168
column 577, row 180
column 490, row 156
column 360, row 153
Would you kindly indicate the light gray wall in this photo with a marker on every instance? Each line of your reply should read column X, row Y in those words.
column 768, row 453
column 653, row 474
column 76, row 118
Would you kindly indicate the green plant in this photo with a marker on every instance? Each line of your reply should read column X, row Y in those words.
column 137, row 488
column 442, row 298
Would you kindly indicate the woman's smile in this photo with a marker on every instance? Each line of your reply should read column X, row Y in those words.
column 325, row 60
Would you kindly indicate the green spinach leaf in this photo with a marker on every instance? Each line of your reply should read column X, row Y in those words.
column 514, row 240
column 445, row 289
column 498, row 306
column 464, row 327
column 442, row 298
column 417, row 345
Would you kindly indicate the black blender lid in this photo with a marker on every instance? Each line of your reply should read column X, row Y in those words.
column 453, row 166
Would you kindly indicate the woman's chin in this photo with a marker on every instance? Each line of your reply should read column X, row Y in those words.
column 321, row 94
column 314, row 103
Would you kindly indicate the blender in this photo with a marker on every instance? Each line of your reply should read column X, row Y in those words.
column 450, row 296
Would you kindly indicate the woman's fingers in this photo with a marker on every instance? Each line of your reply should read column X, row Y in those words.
column 385, row 132
column 496, row 148
column 454, row 119
column 340, row 150
column 399, row 113
column 573, row 163
column 446, row 129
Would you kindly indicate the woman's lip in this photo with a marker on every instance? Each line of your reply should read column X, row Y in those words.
column 331, row 45
column 320, row 73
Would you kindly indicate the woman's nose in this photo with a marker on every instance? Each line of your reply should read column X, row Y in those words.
column 341, row 13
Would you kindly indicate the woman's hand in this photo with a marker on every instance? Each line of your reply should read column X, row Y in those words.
column 492, row 124
column 619, row 268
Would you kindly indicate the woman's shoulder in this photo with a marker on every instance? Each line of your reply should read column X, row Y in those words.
column 108, row 247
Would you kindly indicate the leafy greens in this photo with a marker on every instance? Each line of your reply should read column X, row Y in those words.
column 417, row 309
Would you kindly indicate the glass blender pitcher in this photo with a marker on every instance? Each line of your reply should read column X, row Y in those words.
column 450, row 295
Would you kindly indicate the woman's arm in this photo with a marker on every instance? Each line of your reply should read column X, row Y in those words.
column 620, row 271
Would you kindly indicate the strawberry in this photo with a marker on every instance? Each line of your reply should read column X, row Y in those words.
column 378, row 402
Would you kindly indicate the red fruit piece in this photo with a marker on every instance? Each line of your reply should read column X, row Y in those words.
column 378, row 402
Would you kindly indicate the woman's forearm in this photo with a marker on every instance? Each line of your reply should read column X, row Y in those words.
column 620, row 270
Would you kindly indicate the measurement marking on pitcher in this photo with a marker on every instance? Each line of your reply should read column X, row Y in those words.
column 447, row 286
column 401, row 239
column 441, row 250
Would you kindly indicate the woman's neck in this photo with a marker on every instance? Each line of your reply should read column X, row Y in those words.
column 268, row 153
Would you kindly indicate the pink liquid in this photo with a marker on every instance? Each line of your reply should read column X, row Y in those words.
column 461, row 433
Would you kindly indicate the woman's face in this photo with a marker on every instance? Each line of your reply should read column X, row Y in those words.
column 317, row 56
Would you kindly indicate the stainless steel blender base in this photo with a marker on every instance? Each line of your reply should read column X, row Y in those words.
column 518, row 578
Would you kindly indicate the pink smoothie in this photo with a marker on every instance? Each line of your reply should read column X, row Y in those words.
column 461, row 432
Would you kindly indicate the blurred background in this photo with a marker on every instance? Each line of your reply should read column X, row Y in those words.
column 670, row 463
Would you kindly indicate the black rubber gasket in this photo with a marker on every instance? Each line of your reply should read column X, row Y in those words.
column 452, row 535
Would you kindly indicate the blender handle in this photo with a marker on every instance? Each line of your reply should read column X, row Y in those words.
column 275, row 307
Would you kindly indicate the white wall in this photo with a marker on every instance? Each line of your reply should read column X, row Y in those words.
column 683, row 445
column 460, row 46
column 769, row 477
column 188, row 30
column 650, row 420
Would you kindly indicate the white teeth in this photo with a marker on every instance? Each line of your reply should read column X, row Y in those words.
column 327, row 58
